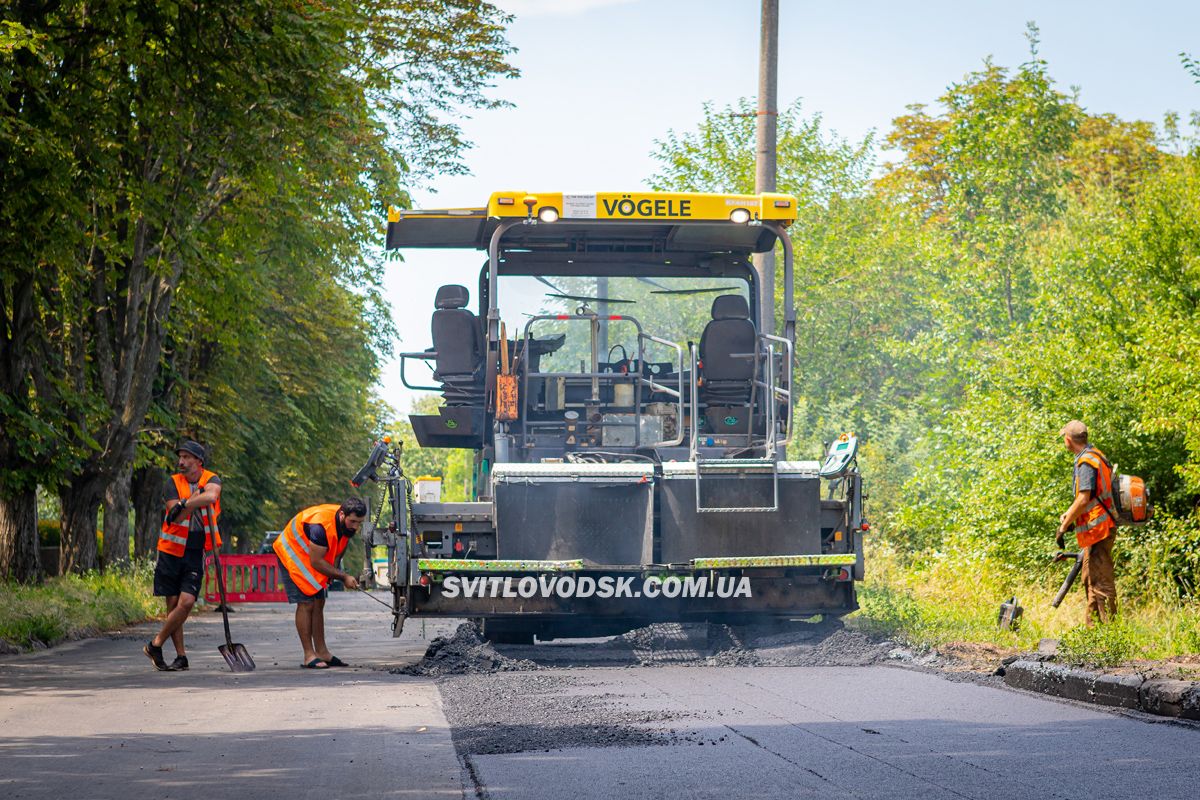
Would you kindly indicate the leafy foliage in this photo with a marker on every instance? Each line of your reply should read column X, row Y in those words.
column 1019, row 263
column 1099, row 646
column 77, row 605
column 195, row 201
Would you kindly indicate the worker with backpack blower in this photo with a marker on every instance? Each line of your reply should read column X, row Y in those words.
column 1093, row 515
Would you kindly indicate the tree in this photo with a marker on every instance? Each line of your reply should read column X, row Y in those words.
column 166, row 129
column 858, row 262
column 988, row 170
column 1020, row 264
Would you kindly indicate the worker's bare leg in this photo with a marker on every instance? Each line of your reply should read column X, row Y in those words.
column 172, row 602
column 178, row 609
column 177, row 636
column 318, row 630
column 304, row 627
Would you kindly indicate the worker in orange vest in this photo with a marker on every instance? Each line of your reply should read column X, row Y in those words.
column 308, row 549
column 1092, row 515
column 182, row 543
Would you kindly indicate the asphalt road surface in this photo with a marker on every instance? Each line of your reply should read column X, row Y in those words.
column 92, row 719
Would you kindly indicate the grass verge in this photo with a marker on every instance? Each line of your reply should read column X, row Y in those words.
column 74, row 606
column 945, row 604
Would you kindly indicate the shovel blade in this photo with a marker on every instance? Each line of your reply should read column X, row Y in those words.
column 237, row 657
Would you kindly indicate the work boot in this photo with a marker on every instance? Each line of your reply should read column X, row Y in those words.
column 179, row 664
column 155, row 656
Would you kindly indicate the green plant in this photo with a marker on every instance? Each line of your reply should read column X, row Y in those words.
column 45, row 627
column 76, row 605
column 1105, row 645
column 49, row 531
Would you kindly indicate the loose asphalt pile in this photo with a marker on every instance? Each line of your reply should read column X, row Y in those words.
column 688, row 644
column 464, row 653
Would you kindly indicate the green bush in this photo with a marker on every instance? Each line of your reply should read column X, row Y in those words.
column 24, row 631
column 1160, row 560
column 887, row 611
column 1101, row 646
column 49, row 532
column 76, row 605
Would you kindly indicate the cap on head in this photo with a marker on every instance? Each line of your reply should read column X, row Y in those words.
column 1076, row 430
column 192, row 448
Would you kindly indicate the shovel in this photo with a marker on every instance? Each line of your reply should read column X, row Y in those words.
column 235, row 655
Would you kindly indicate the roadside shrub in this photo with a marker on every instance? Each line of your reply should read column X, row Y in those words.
column 1160, row 561
column 44, row 627
column 49, row 531
column 76, row 605
column 1101, row 646
column 889, row 612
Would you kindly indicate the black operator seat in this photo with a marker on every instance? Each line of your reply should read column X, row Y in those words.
column 458, row 342
column 728, row 350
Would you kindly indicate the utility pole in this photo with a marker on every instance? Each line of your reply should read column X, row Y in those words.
column 764, row 162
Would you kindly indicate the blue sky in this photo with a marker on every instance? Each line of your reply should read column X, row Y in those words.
column 602, row 79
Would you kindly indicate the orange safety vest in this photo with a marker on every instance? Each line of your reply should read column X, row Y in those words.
column 294, row 549
column 1095, row 522
column 174, row 535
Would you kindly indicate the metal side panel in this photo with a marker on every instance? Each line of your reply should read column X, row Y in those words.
column 673, row 469
column 453, row 512
column 602, row 520
column 794, row 528
column 569, row 471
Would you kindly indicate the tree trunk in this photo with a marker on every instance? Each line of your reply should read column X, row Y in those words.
column 148, row 510
column 19, row 556
column 243, row 543
column 116, row 519
column 80, row 505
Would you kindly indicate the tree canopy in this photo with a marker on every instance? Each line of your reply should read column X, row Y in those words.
column 193, row 234
column 1016, row 263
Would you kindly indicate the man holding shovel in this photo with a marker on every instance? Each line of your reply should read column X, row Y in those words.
column 309, row 549
column 182, row 543
column 1091, row 515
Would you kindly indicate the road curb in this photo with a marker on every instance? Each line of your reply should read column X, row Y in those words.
column 1166, row 698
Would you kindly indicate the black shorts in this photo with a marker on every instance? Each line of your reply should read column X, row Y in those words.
column 294, row 594
column 175, row 575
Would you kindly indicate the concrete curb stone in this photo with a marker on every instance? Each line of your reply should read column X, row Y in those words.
column 1163, row 697
column 1171, row 698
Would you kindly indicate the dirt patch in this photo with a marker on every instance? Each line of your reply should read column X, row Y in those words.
column 464, row 653
column 1178, row 668
column 973, row 656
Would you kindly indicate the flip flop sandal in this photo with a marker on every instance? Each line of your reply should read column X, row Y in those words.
column 334, row 661
column 316, row 663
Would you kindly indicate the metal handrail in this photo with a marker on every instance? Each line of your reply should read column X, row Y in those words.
column 694, row 387
column 595, row 377
column 785, row 394
column 664, row 389
column 771, row 451
column 423, row 356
